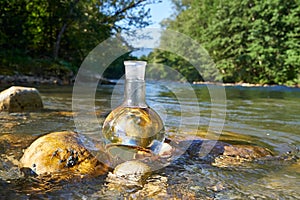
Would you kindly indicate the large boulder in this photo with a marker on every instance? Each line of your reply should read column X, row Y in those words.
column 20, row 99
column 61, row 152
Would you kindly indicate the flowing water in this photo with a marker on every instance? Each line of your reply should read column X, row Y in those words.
column 264, row 116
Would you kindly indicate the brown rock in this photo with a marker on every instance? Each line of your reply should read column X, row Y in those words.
column 237, row 154
column 222, row 154
column 20, row 99
column 61, row 151
column 246, row 151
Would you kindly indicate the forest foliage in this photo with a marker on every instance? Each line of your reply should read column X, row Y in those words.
column 250, row 41
column 43, row 37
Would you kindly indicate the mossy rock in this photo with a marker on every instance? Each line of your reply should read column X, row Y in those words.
column 61, row 152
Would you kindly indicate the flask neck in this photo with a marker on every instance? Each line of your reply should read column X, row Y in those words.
column 135, row 95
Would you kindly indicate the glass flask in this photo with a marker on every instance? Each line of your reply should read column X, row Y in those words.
column 133, row 126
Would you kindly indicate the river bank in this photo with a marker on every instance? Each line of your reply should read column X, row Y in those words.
column 54, row 80
column 245, row 84
column 26, row 80
column 33, row 80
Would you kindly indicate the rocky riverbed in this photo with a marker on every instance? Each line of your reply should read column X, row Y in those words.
column 59, row 157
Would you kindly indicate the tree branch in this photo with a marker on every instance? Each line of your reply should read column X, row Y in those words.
column 123, row 10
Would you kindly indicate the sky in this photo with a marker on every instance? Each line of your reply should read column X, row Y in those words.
column 160, row 11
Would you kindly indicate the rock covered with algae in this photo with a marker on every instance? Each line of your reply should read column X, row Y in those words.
column 59, row 152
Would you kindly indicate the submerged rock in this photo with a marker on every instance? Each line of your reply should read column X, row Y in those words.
column 222, row 154
column 216, row 153
column 65, row 152
column 131, row 172
column 58, row 152
column 12, row 144
column 20, row 99
column 238, row 154
column 134, row 179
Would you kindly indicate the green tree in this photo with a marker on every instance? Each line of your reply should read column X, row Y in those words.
column 249, row 40
column 60, row 33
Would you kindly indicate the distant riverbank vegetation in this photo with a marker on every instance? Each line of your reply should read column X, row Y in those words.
column 250, row 41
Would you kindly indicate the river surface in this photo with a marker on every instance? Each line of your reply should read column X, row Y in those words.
column 264, row 116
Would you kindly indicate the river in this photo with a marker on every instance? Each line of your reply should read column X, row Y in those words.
column 264, row 116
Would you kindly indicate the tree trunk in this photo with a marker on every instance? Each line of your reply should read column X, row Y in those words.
column 62, row 30
column 57, row 43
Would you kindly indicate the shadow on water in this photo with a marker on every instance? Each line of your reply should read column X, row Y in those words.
column 267, row 117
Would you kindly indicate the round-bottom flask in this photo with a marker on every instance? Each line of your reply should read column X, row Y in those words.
column 133, row 127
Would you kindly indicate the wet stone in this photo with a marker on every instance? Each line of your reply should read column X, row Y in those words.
column 20, row 99
column 61, row 152
column 222, row 154
column 131, row 172
column 25, row 171
column 239, row 154
column 134, row 180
